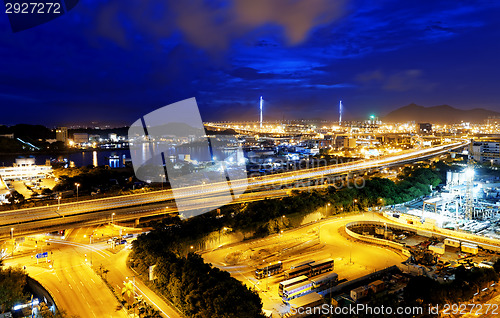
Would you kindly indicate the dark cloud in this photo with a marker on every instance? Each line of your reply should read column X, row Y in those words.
column 249, row 73
column 213, row 25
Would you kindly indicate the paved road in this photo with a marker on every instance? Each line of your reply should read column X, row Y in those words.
column 352, row 258
column 118, row 271
column 75, row 286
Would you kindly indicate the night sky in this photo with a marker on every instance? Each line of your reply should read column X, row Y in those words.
column 113, row 61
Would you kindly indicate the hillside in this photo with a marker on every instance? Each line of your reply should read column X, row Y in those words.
column 442, row 114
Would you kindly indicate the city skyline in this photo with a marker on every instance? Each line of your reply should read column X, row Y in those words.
column 98, row 67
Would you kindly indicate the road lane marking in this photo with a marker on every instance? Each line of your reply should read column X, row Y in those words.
column 101, row 253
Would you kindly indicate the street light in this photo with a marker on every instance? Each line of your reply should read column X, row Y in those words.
column 354, row 202
column 77, row 185
column 12, row 238
column 113, row 214
column 91, row 251
column 58, row 202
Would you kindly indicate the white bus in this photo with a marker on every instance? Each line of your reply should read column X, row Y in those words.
column 290, row 282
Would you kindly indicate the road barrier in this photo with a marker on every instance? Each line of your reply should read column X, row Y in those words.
column 370, row 239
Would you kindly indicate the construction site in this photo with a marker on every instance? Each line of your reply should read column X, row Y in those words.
column 469, row 202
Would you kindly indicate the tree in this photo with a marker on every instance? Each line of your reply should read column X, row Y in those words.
column 15, row 197
column 44, row 312
column 12, row 282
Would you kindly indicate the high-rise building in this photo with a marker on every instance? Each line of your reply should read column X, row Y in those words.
column 62, row 134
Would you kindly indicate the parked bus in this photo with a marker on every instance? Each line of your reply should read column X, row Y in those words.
column 324, row 281
column 302, row 268
column 290, row 282
column 297, row 290
column 321, row 267
column 269, row 270
column 309, row 262
column 296, row 272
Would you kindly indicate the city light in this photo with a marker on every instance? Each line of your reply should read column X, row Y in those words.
column 469, row 172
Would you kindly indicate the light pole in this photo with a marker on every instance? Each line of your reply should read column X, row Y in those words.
column 326, row 208
column 112, row 215
column 354, row 202
column 58, row 202
column 77, row 186
column 91, row 251
column 267, row 277
column 12, row 238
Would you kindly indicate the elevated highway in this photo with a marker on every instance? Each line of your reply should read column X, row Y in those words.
column 129, row 207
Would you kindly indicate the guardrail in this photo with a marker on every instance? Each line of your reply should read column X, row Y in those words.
column 398, row 246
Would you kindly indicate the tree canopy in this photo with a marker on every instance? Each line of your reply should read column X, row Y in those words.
column 12, row 283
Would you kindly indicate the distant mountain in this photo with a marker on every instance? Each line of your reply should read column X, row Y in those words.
column 442, row 114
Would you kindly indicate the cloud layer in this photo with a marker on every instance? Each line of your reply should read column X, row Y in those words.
column 118, row 59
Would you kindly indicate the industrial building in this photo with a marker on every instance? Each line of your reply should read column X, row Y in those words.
column 486, row 151
column 80, row 138
column 425, row 128
column 25, row 169
column 4, row 190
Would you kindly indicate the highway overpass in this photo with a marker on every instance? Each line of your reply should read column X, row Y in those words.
column 41, row 219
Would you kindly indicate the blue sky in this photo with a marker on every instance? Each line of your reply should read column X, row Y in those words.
column 113, row 61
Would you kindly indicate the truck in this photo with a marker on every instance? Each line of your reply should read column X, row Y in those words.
column 469, row 248
column 451, row 242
